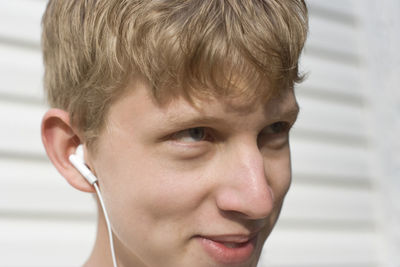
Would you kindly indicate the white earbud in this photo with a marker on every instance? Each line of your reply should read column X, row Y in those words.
column 78, row 161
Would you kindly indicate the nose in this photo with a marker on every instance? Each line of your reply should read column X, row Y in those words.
column 244, row 188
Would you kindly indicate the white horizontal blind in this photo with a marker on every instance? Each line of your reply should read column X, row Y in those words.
column 329, row 217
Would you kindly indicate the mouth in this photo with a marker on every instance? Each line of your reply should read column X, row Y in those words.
column 229, row 249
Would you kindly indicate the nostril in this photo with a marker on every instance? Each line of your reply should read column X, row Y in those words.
column 251, row 205
column 261, row 205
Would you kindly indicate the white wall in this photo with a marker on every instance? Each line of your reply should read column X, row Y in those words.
column 43, row 221
column 382, row 83
column 343, row 208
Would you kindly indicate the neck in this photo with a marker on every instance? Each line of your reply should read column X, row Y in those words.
column 101, row 253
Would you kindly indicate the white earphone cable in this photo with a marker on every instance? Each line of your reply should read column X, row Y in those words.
column 110, row 236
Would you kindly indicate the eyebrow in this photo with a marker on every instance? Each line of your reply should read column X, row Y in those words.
column 192, row 120
column 291, row 112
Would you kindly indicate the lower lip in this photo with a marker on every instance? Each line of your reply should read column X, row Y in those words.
column 226, row 255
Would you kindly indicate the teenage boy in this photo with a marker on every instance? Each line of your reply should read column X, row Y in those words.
column 184, row 109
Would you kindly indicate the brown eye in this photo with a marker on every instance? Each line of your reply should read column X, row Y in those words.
column 191, row 135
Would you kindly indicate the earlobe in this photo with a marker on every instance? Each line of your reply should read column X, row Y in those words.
column 60, row 141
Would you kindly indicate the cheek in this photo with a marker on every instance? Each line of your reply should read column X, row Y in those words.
column 279, row 174
column 150, row 201
column 143, row 183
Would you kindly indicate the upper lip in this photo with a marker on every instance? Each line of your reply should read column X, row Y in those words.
column 232, row 237
column 229, row 238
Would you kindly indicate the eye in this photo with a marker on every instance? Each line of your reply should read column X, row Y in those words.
column 275, row 135
column 190, row 135
column 277, row 128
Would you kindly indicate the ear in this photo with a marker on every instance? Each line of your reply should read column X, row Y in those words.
column 60, row 141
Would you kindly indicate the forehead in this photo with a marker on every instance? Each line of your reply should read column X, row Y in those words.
column 237, row 95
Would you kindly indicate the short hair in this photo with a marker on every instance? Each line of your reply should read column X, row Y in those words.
column 190, row 48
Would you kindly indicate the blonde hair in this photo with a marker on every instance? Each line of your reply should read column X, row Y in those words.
column 92, row 48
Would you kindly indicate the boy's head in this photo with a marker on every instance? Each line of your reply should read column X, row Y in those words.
column 192, row 48
column 184, row 108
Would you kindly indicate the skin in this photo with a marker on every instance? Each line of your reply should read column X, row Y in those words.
column 165, row 186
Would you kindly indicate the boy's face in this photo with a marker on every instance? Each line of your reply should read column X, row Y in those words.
column 193, row 187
